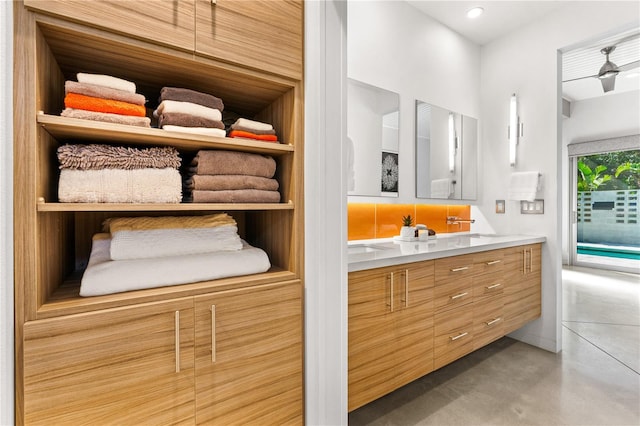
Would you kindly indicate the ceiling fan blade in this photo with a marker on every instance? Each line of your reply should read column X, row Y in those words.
column 581, row 78
column 608, row 84
column 629, row 66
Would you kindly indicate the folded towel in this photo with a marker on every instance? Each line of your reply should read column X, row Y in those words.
column 90, row 103
column 235, row 196
column 188, row 108
column 442, row 188
column 98, row 157
column 254, row 131
column 524, row 185
column 155, row 243
column 106, row 117
column 216, row 162
column 196, row 130
column 253, row 125
column 106, row 276
column 247, row 135
column 223, row 182
column 187, row 120
column 115, row 225
column 188, row 95
column 103, row 92
column 107, row 81
column 120, row 186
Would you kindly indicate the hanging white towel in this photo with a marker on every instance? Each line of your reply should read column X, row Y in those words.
column 441, row 188
column 524, row 185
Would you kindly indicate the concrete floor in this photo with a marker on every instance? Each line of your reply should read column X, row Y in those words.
column 595, row 380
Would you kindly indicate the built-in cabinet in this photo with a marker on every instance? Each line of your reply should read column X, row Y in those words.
column 223, row 351
column 472, row 300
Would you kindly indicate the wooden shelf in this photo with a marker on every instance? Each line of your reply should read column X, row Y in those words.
column 168, row 207
column 65, row 129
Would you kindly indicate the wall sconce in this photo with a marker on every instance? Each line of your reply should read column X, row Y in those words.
column 515, row 129
column 453, row 142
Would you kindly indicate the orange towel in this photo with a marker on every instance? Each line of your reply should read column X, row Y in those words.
column 249, row 135
column 90, row 103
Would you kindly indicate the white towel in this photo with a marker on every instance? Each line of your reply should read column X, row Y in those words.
column 524, row 185
column 207, row 131
column 107, row 81
column 120, row 186
column 190, row 108
column 106, row 276
column 441, row 188
column 251, row 124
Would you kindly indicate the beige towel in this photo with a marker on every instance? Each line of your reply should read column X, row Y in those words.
column 254, row 131
column 107, row 81
column 97, row 91
column 252, row 124
column 188, row 108
column 214, row 162
column 236, row 196
column 144, row 223
column 206, row 131
column 106, row 117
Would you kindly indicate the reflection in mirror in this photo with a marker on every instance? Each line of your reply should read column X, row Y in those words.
column 372, row 137
column 444, row 162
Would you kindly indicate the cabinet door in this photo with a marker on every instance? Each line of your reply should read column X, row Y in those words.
column 118, row 366
column 261, row 34
column 249, row 356
column 168, row 22
column 522, row 296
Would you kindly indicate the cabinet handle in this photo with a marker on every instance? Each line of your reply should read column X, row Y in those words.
column 493, row 262
column 530, row 259
column 462, row 268
column 213, row 333
column 391, row 293
column 214, row 2
column 459, row 336
column 524, row 262
column 406, row 288
column 458, row 296
column 493, row 321
column 177, row 338
column 491, row 287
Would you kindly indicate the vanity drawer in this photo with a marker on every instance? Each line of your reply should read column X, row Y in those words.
column 454, row 282
column 488, row 286
column 488, row 262
column 453, row 335
column 453, row 268
column 488, row 321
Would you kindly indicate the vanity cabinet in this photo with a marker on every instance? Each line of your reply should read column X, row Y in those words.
column 488, row 297
column 523, row 293
column 390, row 329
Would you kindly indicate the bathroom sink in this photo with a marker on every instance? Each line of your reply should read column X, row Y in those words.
column 365, row 248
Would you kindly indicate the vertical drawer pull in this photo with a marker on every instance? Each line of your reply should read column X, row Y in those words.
column 462, row 268
column 391, row 293
column 177, row 339
column 459, row 336
column 491, row 287
column 406, row 288
column 458, row 296
column 493, row 321
column 524, row 262
column 213, row 333
column 493, row 262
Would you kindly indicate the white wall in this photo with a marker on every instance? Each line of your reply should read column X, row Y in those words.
column 6, row 214
column 608, row 116
column 527, row 63
column 395, row 46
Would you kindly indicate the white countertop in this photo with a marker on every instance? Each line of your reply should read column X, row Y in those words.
column 369, row 254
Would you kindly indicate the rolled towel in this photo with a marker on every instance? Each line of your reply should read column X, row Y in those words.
column 107, row 81
column 236, row 196
column 257, row 132
column 98, row 157
column 188, row 108
column 91, row 103
column 196, row 130
column 103, row 92
column 253, row 125
column 248, row 135
column 187, row 120
column 217, row 162
column 224, row 182
column 106, row 117
column 188, row 95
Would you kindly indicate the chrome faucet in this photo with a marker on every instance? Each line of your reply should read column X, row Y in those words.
column 452, row 220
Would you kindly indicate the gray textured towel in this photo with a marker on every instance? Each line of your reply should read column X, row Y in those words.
column 187, row 120
column 214, row 162
column 236, row 196
column 227, row 182
column 99, row 157
column 188, row 95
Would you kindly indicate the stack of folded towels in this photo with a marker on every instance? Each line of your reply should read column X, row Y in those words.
column 113, row 174
column 136, row 253
column 232, row 177
column 186, row 110
column 250, row 129
column 104, row 98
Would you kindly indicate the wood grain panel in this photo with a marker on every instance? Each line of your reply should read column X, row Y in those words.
column 522, row 296
column 115, row 366
column 167, row 22
column 453, row 335
column 249, row 356
column 488, row 320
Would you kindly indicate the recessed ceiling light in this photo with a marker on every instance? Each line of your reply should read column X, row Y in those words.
column 475, row 12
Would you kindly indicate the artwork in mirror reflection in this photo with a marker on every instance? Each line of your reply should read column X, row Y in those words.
column 446, row 153
column 372, row 137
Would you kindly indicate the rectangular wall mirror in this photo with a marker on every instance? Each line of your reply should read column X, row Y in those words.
column 372, row 137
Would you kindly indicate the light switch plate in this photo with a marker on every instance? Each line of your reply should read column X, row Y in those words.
column 532, row 207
